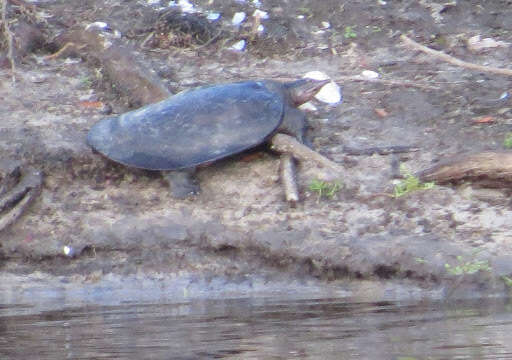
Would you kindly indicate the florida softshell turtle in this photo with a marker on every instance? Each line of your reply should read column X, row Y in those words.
column 203, row 125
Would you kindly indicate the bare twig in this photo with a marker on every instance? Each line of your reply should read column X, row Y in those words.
column 65, row 50
column 452, row 60
column 9, row 37
column 381, row 150
column 388, row 82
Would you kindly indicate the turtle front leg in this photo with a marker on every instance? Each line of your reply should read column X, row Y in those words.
column 182, row 183
column 18, row 188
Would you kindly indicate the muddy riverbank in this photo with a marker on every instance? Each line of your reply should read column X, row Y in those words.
column 94, row 221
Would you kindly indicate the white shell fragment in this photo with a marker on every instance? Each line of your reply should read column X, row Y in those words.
column 238, row 18
column 100, row 25
column 238, row 46
column 316, row 75
column 68, row 251
column 213, row 16
column 370, row 74
column 185, row 5
column 330, row 93
column 261, row 14
column 326, row 24
column 475, row 44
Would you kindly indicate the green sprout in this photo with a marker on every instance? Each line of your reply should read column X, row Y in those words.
column 420, row 260
column 409, row 184
column 349, row 33
column 467, row 267
column 86, row 81
column 507, row 280
column 507, row 143
column 324, row 188
column 373, row 29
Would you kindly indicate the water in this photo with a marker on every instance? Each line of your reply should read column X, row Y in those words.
column 260, row 328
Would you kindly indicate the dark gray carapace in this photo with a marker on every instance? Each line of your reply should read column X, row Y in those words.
column 199, row 126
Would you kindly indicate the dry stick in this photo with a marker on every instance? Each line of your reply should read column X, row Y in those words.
column 8, row 35
column 387, row 82
column 287, row 174
column 454, row 61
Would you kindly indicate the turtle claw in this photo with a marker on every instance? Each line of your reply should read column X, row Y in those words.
column 183, row 184
column 18, row 188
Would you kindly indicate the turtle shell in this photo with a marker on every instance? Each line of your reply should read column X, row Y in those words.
column 191, row 128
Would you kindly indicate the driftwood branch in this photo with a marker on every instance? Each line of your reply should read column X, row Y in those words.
column 452, row 60
column 122, row 69
column 490, row 165
column 289, row 145
column 18, row 190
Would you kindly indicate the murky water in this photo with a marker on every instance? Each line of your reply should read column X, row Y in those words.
column 261, row 329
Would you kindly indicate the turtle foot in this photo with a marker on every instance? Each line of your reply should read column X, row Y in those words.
column 183, row 184
column 18, row 188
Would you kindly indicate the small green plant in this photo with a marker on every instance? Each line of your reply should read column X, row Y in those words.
column 349, row 33
column 409, row 184
column 86, row 81
column 420, row 260
column 467, row 267
column 373, row 29
column 507, row 143
column 507, row 280
column 306, row 12
column 324, row 188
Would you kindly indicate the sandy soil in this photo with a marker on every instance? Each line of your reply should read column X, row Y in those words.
column 122, row 221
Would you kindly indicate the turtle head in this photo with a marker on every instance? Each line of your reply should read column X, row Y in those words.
column 303, row 90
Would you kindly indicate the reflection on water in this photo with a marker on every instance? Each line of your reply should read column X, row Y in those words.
column 261, row 329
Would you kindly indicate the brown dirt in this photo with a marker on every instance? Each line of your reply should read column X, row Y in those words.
column 123, row 221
